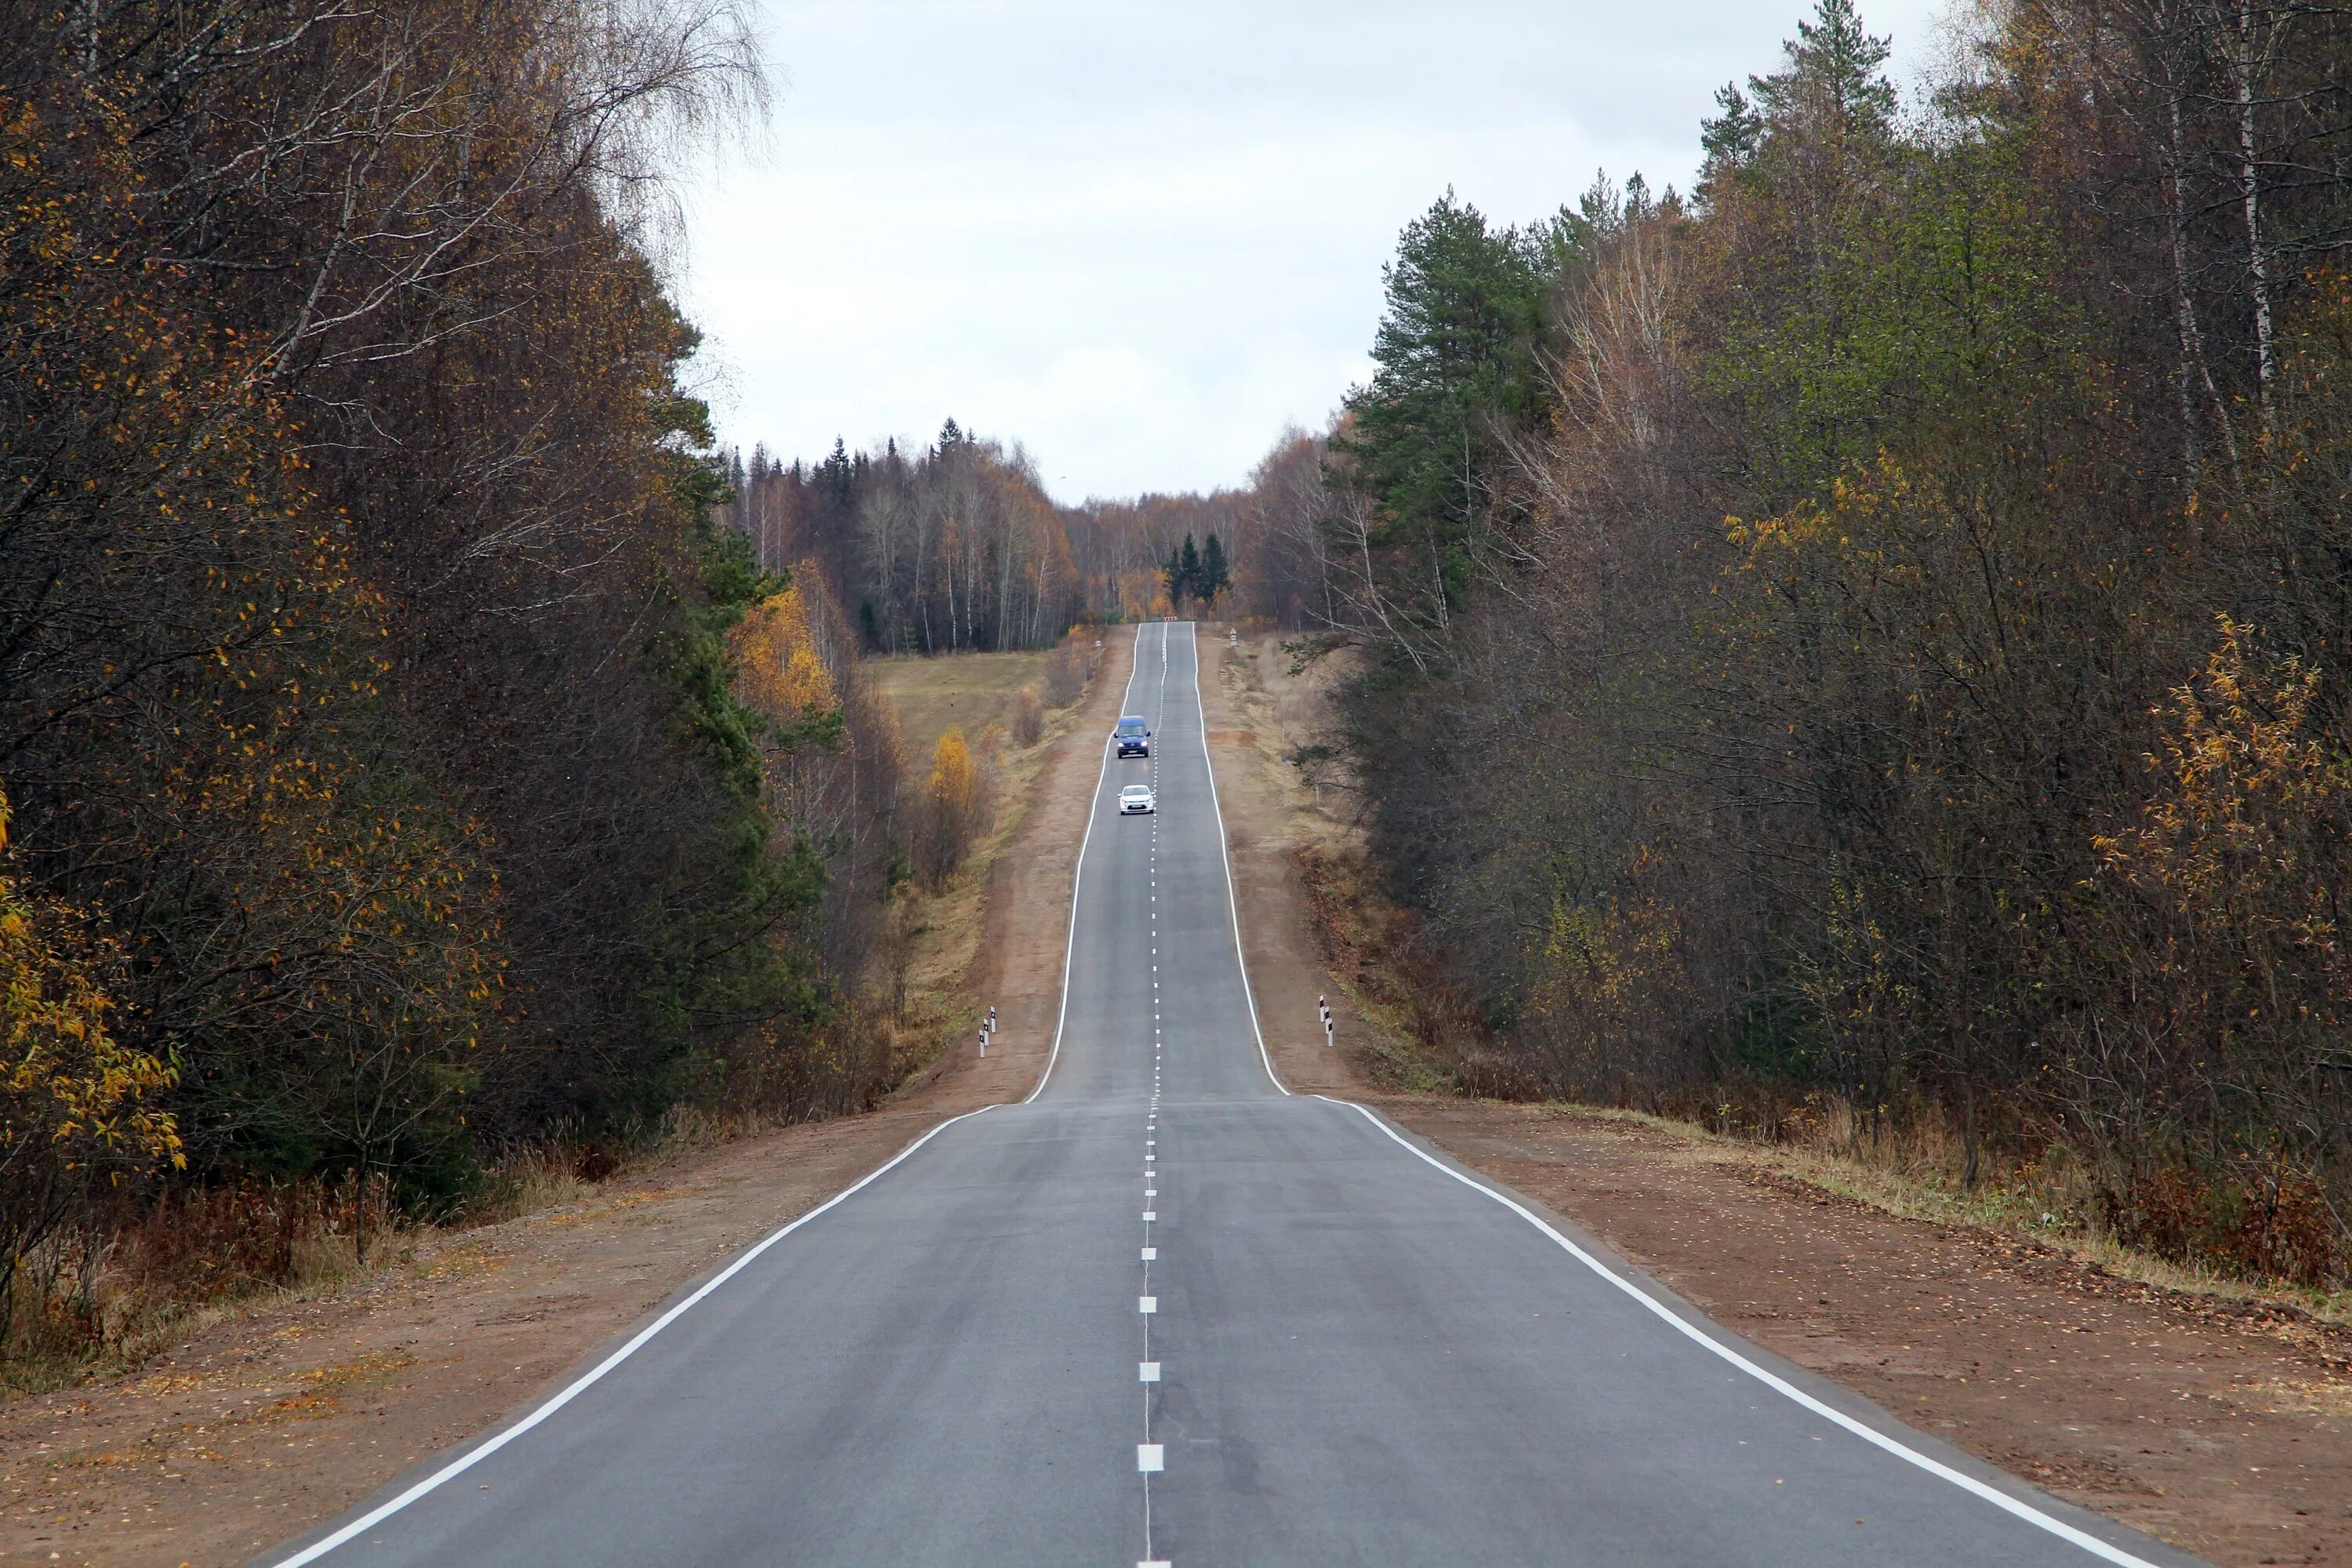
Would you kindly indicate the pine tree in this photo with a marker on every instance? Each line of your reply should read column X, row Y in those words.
column 1835, row 70
column 1189, row 564
column 1456, row 360
column 1214, row 577
column 833, row 475
column 1847, row 62
column 1731, row 137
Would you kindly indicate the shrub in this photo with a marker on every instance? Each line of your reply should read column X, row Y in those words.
column 78, row 1110
column 955, row 808
column 1067, row 670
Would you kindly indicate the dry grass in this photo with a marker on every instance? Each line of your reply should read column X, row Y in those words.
column 1915, row 1173
column 965, row 690
column 945, row 928
column 109, row 1303
column 106, row 1298
column 1291, row 720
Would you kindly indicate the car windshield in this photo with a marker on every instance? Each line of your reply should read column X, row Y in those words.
column 1129, row 726
column 1135, row 791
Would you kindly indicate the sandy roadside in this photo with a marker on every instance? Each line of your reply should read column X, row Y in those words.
column 2222, row 1428
column 259, row 1427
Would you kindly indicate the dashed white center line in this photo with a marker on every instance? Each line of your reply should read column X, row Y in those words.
column 1150, row 1459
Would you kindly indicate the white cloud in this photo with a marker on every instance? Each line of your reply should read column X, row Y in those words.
column 1140, row 238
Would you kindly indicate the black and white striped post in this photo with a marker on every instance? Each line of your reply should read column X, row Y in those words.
column 1323, row 1006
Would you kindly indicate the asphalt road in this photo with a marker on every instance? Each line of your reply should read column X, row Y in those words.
column 1167, row 1311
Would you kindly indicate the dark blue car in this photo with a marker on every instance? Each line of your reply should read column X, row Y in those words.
column 1134, row 740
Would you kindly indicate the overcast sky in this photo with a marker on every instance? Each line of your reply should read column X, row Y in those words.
column 1140, row 238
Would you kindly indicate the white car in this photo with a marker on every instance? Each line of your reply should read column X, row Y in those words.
column 1135, row 799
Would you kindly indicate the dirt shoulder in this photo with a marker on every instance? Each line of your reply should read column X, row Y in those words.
column 1264, row 833
column 263, row 1424
column 2221, row 1426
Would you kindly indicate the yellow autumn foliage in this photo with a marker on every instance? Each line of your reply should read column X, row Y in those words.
column 2239, row 851
column 955, row 780
column 73, row 1098
column 778, row 670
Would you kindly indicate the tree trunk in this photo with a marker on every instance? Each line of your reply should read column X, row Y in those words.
column 2247, row 63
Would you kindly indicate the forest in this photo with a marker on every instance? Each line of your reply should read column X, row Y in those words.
column 382, row 793
column 1865, row 639
column 957, row 547
column 1859, row 641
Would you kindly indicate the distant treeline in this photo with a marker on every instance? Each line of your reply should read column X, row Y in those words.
column 959, row 547
column 1877, row 629
column 379, row 792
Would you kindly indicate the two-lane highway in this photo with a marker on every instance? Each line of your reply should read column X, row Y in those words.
column 1166, row 1312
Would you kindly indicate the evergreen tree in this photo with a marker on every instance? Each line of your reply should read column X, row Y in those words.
column 1214, row 577
column 1456, row 358
column 1833, row 78
column 1188, row 561
column 833, row 475
column 1835, row 71
column 1730, row 137
column 1848, row 63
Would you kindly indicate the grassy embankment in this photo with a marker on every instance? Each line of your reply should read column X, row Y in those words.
column 945, row 928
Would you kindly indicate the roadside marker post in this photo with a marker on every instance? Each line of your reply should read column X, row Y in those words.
column 1323, row 1006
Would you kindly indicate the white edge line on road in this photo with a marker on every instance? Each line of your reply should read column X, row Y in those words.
column 1778, row 1384
column 1078, row 871
column 1232, row 905
column 473, row 1457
